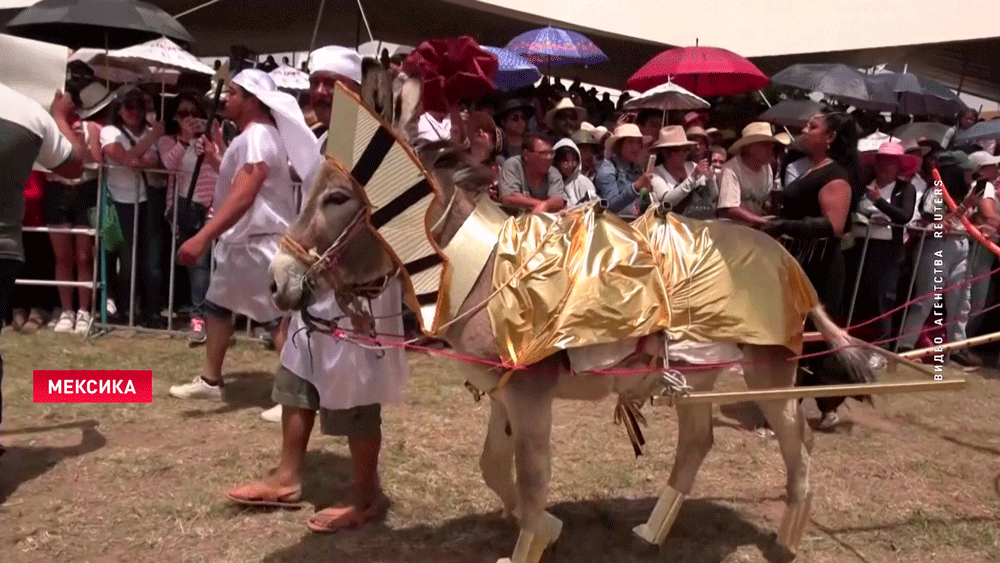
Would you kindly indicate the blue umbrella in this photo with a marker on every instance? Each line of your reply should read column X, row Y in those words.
column 553, row 47
column 514, row 72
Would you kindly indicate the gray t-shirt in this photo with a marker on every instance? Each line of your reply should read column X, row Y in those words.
column 28, row 134
column 513, row 181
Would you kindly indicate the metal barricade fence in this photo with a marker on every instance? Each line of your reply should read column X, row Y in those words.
column 100, row 286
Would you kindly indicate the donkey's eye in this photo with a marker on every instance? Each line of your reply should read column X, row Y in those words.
column 335, row 198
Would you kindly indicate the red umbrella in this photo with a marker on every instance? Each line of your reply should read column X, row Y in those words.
column 706, row 71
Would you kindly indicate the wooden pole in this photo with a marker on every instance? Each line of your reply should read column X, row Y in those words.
column 848, row 390
column 967, row 343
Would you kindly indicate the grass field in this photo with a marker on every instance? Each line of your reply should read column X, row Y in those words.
column 915, row 480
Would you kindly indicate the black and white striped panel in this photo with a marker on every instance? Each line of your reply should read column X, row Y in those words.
column 400, row 195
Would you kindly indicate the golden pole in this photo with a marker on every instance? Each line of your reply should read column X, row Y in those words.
column 848, row 390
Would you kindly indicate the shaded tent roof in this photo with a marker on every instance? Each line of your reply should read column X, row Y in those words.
column 772, row 33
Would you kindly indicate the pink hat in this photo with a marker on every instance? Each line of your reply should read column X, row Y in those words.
column 908, row 164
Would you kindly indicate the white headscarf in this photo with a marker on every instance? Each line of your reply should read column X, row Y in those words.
column 300, row 142
column 338, row 60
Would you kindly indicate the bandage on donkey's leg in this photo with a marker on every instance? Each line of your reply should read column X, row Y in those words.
column 662, row 518
column 530, row 546
column 793, row 524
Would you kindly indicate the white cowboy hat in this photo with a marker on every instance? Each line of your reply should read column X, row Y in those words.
column 565, row 103
column 626, row 131
column 94, row 98
column 300, row 142
column 672, row 136
column 586, row 126
column 756, row 132
column 912, row 145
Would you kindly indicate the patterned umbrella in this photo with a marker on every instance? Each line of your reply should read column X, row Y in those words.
column 161, row 53
column 553, row 47
column 667, row 96
column 706, row 71
column 515, row 71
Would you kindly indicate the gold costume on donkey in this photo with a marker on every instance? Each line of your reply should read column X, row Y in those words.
column 587, row 277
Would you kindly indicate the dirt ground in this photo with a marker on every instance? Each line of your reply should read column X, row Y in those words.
column 915, row 480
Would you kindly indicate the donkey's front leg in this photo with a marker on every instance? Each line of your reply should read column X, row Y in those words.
column 497, row 460
column 529, row 404
column 694, row 440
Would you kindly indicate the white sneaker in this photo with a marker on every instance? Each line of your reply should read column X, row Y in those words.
column 272, row 414
column 111, row 306
column 197, row 389
column 82, row 322
column 66, row 322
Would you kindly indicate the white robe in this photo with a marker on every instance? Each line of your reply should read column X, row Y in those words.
column 346, row 375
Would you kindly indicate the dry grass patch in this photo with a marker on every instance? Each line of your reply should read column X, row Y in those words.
column 915, row 480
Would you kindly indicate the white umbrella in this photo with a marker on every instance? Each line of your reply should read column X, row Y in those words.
column 874, row 141
column 122, row 71
column 668, row 96
column 161, row 53
column 292, row 78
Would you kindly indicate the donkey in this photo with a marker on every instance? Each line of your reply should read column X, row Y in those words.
column 520, row 424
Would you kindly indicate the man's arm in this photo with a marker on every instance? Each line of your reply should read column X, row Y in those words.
column 521, row 201
column 246, row 185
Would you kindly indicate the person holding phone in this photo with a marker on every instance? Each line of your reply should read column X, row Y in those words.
column 185, row 140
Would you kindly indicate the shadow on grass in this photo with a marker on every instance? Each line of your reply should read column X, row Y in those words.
column 243, row 390
column 594, row 530
column 21, row 464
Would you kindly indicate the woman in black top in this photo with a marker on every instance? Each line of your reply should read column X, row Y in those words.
column 815, row 212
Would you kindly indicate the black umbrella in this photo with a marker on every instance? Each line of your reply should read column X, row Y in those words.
column 984, row 130
column 112, row 24
column 917, row 95
column 839, row 82
column 792, row 113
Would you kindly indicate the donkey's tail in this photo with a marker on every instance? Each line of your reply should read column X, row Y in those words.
column 847, row 350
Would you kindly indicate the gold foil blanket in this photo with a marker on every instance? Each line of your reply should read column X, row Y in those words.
column 587, row 277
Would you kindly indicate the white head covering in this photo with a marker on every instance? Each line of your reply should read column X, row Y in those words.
column 300, row 142
column 338, row 60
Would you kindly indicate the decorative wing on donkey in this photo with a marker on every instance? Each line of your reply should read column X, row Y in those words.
column 399, row 191
column 588, row 278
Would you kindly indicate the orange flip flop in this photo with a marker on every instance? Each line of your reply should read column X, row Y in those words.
column 260, row 493
column 343, row 518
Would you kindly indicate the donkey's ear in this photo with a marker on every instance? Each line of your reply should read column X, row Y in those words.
column 376, row 88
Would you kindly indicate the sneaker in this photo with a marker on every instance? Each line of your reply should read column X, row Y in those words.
column 829, row 420
column 111, row 307
column 66, row 322
column 272, row 414
column 82, row 322
column 876, row 362
column 197, row 333
column 197, row 389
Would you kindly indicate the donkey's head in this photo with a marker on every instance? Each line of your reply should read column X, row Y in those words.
column 330, row 246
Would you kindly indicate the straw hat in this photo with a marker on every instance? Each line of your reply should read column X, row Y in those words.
column 908, row 164
column 584, row 137
column 565, row 103
column 696, row 131
column 756, row 132
column 672, row 136
column 587, row 126
column 983, row 158
column 625, row 131
column 94, row 98
column 784, row 138
column 913, row 145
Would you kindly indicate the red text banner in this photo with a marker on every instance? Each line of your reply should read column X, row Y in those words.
column 93, row 386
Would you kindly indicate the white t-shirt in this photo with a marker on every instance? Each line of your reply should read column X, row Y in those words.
column 867, row 208
column 430, row 129
column 122, row 181
column 273, row 210
column 742, row 187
